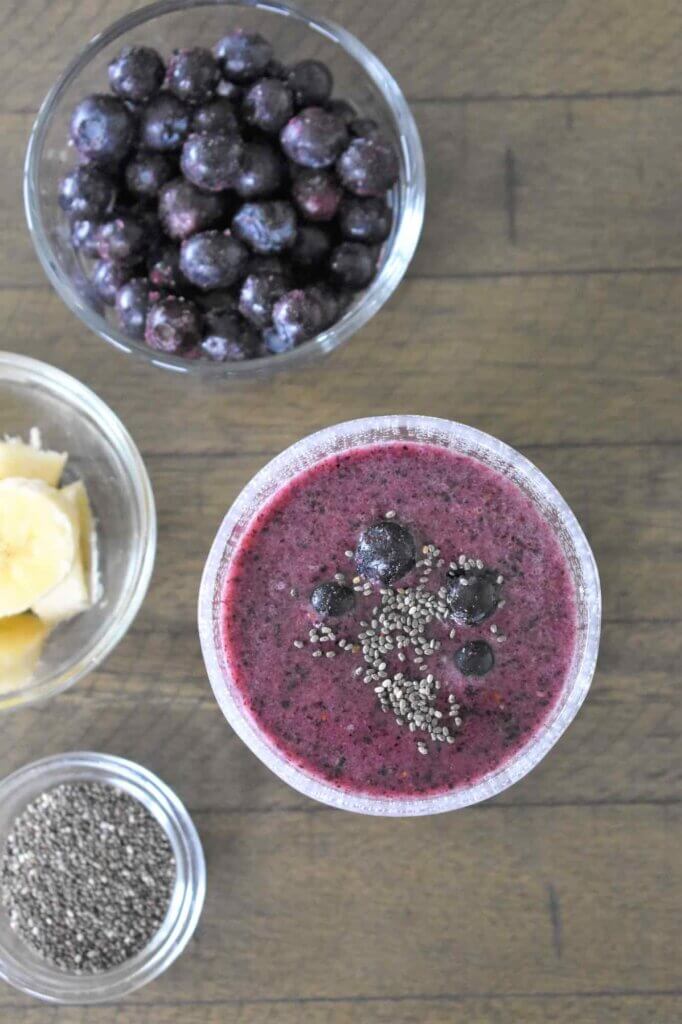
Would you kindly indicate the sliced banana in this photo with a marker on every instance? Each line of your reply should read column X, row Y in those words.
column 21, row 642
column 18, row 459
column 38, row 542
column 73, row 595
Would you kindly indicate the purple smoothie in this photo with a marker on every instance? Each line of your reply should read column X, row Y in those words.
column 317, row 710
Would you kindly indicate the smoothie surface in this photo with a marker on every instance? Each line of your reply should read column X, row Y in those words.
column 318, row 710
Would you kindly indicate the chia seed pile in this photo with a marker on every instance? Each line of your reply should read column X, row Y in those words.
column 86, row 876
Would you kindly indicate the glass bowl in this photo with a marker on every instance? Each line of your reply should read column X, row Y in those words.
column 359, row 77
column 25, row 969
column 102, row 453
column 457, row 438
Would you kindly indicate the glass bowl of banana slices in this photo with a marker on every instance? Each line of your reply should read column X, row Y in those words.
column 77, row 530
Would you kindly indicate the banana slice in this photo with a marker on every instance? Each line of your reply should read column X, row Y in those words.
column 18, row 459
column 38, row 542
column 21, row 642
column 73, row 595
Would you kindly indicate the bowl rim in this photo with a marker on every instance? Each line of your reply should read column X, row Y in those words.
column 79, row 398
column 48, row 983
column 403, row 241
column 259, row 489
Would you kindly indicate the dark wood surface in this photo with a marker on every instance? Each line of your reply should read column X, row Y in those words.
column 544, row 305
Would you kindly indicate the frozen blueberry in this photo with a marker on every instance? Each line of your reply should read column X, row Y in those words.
column 365, row 220
column 311, row 82
column 163, row 268
column 136, row 74
column 213, row 259
column 331, row 600
column 243, row 56
column 230, row 91
column 212, row 161
column 193, row 75
column 344, row 110
column 165, row 123
column 132, row 301
column 268, row 105
column 353, row 265
column 369, row 167
column 472, row 595
column 329, row 303
column 266, row 227
column 311, row 248
column 474, row 658
column 107, row 277
column 216, row 116
column 86, row 193
column 261, row 170
column 228, row 338
column 123, row 239
column 102, row 129
column 146, row 173
column 363, row 127
column 258, row 296
column 173, row 324
column 385, row 551
column 184, row 210
column 276, row 344
column 297, row 316
column 314, row 138
column 84, row 237
column 221, row 300
column 317, row 194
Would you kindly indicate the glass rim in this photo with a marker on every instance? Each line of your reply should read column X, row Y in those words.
column 403, row 241
column 79, row 397
column 576, row 686
column 50, row 984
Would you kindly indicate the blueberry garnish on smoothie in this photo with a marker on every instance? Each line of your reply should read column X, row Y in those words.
column 473, row 593
column 475, row 658
column 332, row 600
column 385, row 552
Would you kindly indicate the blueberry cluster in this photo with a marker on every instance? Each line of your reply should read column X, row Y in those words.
column 231, row 206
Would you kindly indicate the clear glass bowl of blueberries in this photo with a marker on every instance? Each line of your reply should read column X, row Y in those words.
column 225, row 188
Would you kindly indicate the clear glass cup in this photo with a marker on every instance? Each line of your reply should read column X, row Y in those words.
column 20, row 966
column 457, row 438
column 359, row 77
column 72, row 419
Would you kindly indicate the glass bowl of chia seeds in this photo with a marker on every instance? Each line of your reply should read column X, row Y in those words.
column 153, row 837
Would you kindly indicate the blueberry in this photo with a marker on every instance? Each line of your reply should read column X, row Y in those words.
column 172, row 324
column 243, row 56
column 329, row 303
column 123, row 239
column 311, row 82
column 193, row 75
column 212, row 162
column 472, row 595
column 165, row 123
column 228, row 337
column 221, row 300
column 353, row 265
column 163, row 268
column 314, row 138
column 132, row 301
column 297, row 316
column 258, row 296
column 229, row 91
column 86, row 193
column 365, row 220
column 369, row 167
column 102, row 129
column 84, row 236
column 317, row 194
column 311, row 247
column 275, row 343
column 474, row 658
column 107, row 277
column 213, row 259
column 216, row 116
column 261, row 170
column 344, row 110
column 268, row 105
column 184, row 210
column 136, row 74
column 385, row 552
column 266, row 227
column 332, row 600
column 147, row 173
column 363, row 128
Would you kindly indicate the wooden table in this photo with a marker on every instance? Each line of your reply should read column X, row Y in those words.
column 544, row 305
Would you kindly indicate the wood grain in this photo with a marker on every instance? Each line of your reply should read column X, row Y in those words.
column 544, row 305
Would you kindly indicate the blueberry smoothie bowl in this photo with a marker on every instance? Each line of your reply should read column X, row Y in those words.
column 225, row 188
column 400, row 616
